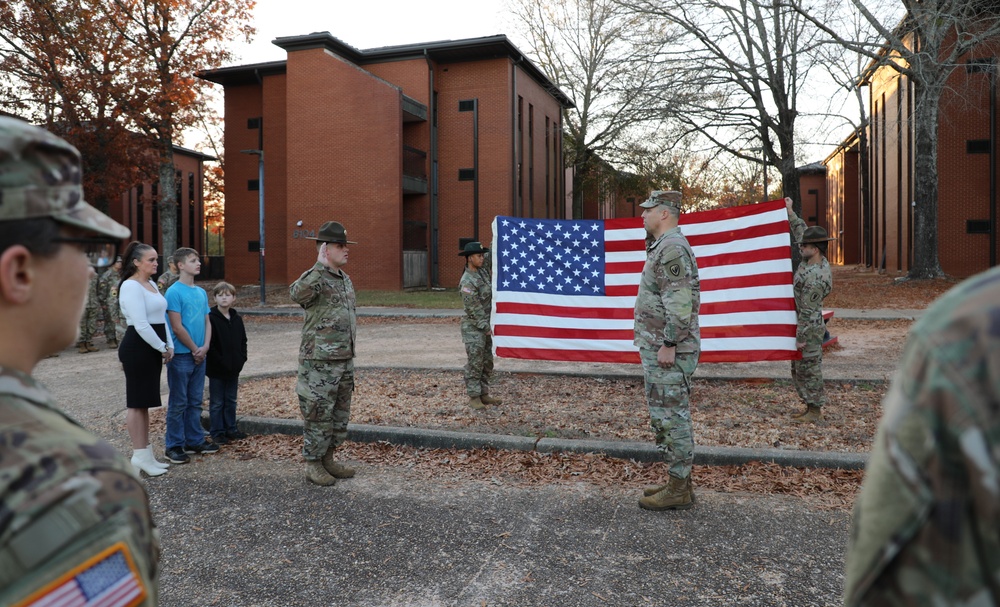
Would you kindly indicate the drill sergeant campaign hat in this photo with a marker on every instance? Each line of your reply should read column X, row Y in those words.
column 668, row 198
column 473, row 248
column 815, row 234
column 332, row 231
column 41, row 176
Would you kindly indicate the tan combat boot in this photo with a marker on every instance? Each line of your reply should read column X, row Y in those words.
column 677, row 495
column 654, row 489
column 489, row 400
column 476, row 403
column 810, row 416
column 317, row 474
column 83, row 347
column 336, row 470
column 91, row 347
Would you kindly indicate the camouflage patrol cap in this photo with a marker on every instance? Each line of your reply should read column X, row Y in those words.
column 668, row 198
column 40, row 176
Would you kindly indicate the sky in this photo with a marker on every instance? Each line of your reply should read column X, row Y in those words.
column 371, row 23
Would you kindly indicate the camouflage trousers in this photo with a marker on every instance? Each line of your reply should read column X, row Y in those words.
column 324, row 389
column 479, row 367
column 112, row 322
column 807, row 377
column 88, row 323
column 667, row 395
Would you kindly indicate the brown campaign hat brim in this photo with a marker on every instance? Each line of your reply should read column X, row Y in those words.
column 327, row 240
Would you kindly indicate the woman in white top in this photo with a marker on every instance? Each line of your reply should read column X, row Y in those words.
column 143, row 350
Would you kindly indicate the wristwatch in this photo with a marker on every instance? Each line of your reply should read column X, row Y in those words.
column 669, row 344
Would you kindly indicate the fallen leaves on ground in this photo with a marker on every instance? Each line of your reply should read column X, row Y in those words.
column 725, row 413
column 822, row 488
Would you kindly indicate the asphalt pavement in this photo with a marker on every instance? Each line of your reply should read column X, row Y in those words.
column 254, row 533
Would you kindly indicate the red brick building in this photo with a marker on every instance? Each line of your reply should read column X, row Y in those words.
column 413, row 148
column 137, row 208
column 843, row 208
column 967, row 169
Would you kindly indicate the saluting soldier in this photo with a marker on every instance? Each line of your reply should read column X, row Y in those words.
column 812, row 283
column 74, row 515
column 326, row 354
column 669, row 341
column 477, row 335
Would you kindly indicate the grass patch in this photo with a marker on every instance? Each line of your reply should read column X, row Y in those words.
column 449, row 299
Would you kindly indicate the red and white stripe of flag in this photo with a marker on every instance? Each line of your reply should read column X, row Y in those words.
column 747, row 306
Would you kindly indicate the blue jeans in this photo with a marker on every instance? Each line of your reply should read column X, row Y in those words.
column 187, row 390
column 222, row 405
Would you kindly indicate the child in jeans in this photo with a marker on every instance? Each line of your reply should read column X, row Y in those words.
column 187, row 313
column 226, row 356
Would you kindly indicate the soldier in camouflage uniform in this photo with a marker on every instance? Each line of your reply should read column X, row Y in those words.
column 669, row 341
column 168, row 278
column 107, row 293
column 812, row 283
column 88, row 322
column 326, row 354
column 72, row 507
column 477, row 298
column 927, row 521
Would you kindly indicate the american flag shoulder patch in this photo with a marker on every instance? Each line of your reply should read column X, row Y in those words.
column 107, row 579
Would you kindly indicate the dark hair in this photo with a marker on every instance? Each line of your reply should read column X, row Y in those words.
column 37, row 235
column 183, row 253
column 821, row 246
column 134, row 251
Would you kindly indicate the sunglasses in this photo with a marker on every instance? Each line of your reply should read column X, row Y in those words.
column 100, row 252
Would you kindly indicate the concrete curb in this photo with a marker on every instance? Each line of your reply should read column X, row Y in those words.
column 642, row 452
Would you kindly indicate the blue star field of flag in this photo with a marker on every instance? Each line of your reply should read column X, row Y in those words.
column 556, row 257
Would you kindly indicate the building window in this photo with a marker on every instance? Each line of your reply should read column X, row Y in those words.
column 548, row 168
column 140, row 214
column 531, row 160
column 179, row 191
column 466, row 174
column 977, row 146
column 253, row 185
column 154, row 224
column 192, row 205
column 467, row 105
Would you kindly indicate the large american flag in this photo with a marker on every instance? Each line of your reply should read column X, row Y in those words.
column 565, row 290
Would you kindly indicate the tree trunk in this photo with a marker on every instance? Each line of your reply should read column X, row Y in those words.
column 167, row 204
column 926, row 263
column 867, row 247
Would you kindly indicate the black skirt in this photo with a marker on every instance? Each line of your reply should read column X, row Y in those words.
column 143, row 366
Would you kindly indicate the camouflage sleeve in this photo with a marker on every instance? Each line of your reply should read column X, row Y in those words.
column 161, row 283
column 797, row 226
column 673, row 275
column 810, row 310
column 475, row 311
column 306, row 289
column 927, row 521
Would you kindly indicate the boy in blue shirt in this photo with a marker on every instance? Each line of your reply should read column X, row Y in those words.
column 187, row 312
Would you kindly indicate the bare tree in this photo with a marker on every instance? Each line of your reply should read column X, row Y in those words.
column 925, row 41
column 749, row 58
column 603, row 58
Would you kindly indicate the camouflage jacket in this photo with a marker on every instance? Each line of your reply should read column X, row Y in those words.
column 477, row 298
column 330, row 325
column 927, row 521
column 165, row 281
column 69, row 499
column 107, row 287
column 811, row 285
column 666, row 307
